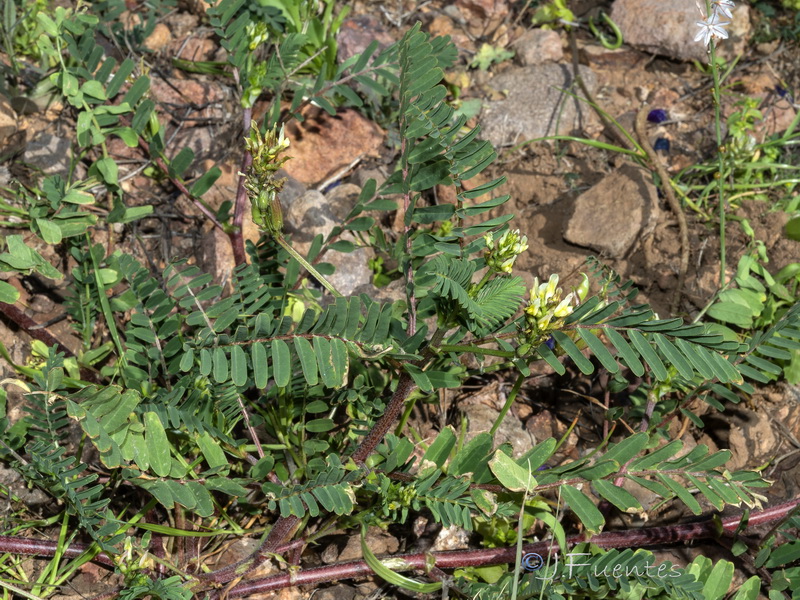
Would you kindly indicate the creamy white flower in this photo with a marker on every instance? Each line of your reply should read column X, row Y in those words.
column 711, row 27
column 723, row 7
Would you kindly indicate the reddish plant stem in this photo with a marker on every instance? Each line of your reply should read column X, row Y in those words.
column 384, row 424
column 236, row 236
column 29, row 547
column 638, row 538
column 181, row 186
column 284, row 527
column 32, row 328
column 651, row 536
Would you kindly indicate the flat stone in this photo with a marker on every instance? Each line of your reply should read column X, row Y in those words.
column 215, row 256
column 312, row 214
column 8, row 120
column 482, row 410
column 484, row 18
column 599, row 57
column 50, row 153
column 324, row 145
column 352, row 269
column 609, row 216
column 667, row 28
column 358, row 32
column 159, row 39
column 538, row 46
column 535, row 105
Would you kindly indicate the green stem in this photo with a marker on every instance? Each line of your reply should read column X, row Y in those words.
column 720, row 182
column 509, row 401
column 307, row 266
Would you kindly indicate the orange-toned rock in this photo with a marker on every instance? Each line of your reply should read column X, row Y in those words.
column 324, row 145
column 159, row 39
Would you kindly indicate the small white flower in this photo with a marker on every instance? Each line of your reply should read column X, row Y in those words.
column 723, row 7
column 711, row 27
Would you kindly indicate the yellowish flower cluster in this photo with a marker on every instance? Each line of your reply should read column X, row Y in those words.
column 546, row 309
column 501, row 257
column 261, row 184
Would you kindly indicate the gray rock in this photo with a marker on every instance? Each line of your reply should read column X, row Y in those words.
column 667, row 27
column 483, row 409
column 8, row 120
column 50, row 153
column 292, row 189
column 609, row 216
column 538, row 46
column 535, row 106
column 352, row 270
column 312, row 214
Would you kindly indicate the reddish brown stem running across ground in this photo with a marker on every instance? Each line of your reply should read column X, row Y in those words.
column 637, row 538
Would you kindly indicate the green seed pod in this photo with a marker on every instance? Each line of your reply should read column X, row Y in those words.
column 275, row 213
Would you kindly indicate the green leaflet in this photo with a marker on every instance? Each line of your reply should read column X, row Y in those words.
column 281, row 363
column 586, row 511
column 158, row 445
column 510, row 474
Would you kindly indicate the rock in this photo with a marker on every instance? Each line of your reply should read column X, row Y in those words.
column 340, row 591
column 541, row 425
column 483, row 16
column 533, row 105
column 538, row 46
column 378, row 540
column 599, row 57
column 8, row 120
column 352, row 269
column 357, row 33
column 182, row 25
column 216, row 256
column 32, row 497
column 667, row 27
column 312, row 214
column 483, row 408
column 361, row 176
column 609, row 216
column 323, row 145
column 195, row 48
column 445, row 24
column 776, row 106
column 50, row 153
column 753, row 440
column 451, row 538
column 306, row 217
column 159, row 39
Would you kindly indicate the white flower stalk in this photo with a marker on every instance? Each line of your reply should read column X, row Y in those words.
column 712, row 26
column 722, row 7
